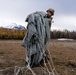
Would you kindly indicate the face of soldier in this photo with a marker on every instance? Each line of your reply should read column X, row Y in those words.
column 49, row 14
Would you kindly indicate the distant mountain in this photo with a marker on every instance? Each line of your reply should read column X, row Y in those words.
column 15, row 27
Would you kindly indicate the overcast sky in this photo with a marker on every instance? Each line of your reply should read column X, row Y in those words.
column 15, row 11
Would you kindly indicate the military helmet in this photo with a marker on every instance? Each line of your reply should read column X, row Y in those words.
column 51, row 11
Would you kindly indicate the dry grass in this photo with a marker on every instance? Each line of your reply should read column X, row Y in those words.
column 63, row 54
column 11, row 53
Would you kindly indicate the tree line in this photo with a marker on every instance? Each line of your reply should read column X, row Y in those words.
column 11, row 34
column 63, row 34
column 19, row 34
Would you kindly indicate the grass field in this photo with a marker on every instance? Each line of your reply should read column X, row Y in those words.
column 63, row 55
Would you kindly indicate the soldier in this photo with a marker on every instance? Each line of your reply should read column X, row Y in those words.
column 50, row 13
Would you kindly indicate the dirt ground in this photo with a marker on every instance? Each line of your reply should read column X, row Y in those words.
column 63, row 54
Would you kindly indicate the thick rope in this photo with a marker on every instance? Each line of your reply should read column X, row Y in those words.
column 52, row 64
column 16, row 72
column 52, row 68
